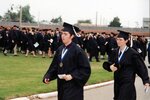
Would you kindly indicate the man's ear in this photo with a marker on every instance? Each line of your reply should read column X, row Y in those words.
column 127, row 40
column 72, row 36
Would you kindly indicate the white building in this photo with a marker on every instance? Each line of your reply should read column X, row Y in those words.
column 146, row 22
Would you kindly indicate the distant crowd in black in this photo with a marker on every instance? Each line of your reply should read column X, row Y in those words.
column 46, row 41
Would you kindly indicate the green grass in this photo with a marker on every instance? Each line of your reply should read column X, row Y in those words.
column 22, row 76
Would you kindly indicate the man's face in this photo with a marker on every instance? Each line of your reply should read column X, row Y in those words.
column 121, row 42
column 23, row 31
column 15, row 28
column 66, row 37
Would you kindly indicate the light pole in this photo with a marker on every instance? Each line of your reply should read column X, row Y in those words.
column 38, row 19
column 96, row 18
column 20, row 19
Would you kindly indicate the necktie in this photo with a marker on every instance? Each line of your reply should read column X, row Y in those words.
column 120, row 54
column 63, row 52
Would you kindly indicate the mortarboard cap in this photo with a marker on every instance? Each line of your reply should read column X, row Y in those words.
column 106, row 66
column 57, row 29
column 2, row 27
column 103, row 33
column 123, row 34
column 73, row 30
column 16, row 26
column 113, row 33
column 44, row 29
column 23, row 28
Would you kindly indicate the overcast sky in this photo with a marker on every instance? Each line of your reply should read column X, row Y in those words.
column 130, row 12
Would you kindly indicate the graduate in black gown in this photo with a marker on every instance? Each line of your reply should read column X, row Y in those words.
column 148, row 49
column 70, row 67
column 126, row 63
column 1, row 36
column 112, row 44
column 24, row 40
column 15, row 38
column 6, row 41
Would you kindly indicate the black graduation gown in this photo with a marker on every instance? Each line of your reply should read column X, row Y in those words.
column 1, row 38
column 2, row 33
column 130, row 64
column 6, row 40
column 15, row 36
column 93, row 48
column 39, row 39
column 31, row 41
column 148, row 49
column 24, row 40
column 141, row 46
column 45, row 44
column 135, row 45
column 111, row 45
column 101, row 43
column 55, row 43
column 75, row 62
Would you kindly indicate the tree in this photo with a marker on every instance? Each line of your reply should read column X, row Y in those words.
column 10, row 15
column 1, row 17
column 26, row 16
column 13, row 16
column 115, row 22
column 56, row 20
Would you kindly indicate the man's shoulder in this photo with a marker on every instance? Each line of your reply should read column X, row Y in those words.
column 132, row 50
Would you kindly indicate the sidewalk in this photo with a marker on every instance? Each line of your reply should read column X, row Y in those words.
column 102, row 91
column 90, row 92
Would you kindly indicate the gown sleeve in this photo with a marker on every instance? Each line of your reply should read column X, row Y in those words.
column 141, row 69
column 82, row 73
column 51, row 73
column 106, row 64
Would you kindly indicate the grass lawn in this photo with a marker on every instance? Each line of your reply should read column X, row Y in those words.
column 22, row 76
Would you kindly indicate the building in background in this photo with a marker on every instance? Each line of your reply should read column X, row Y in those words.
column 146, row 22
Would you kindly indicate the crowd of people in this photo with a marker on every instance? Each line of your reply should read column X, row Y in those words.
column 73, row 49
column 46, row 41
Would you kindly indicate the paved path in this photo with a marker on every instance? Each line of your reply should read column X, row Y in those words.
column 106, row 93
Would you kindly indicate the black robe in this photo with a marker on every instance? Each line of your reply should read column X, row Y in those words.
column 75, row 62
column 148, row 49
column 24, row 40
column 112, row 44
column 130, row 64
column 101, row 43
column 31, row 40
column 93, row 48
column 1, row 38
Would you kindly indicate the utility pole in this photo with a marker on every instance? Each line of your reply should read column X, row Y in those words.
column 20, row 20
column 101, row 20
column 96, row 18
column 38, row 19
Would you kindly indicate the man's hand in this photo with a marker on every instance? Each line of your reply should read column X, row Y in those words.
column 12, row 41
column 67, row 77
column 46, row 81
column 113, row 68
column 147, row 86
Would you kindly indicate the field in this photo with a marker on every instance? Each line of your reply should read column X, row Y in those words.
column 22, row 76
